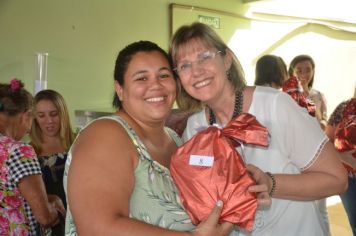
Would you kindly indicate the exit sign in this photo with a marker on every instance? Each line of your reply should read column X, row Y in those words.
column 209, row 20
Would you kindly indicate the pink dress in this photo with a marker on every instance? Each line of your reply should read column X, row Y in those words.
column 17, row 160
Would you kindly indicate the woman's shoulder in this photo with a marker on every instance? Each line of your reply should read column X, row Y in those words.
column 106, row 124
column 12, row 144
column 264, row 91
column 106, row 131
column 268, row 95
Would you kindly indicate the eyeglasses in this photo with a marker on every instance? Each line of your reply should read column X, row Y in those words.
column 203, row 59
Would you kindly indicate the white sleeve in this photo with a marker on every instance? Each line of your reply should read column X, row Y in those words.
column 195, row 123
column 190, row 129
column 299, row 132
column 186, row 134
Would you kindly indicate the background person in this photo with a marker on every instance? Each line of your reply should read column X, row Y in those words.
column 349, row 197
column 51, row 136
column 304, row 163
column 270, row 71
column 303, row 67
column 22, row 193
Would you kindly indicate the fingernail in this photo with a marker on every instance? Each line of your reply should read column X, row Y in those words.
column 219, row 203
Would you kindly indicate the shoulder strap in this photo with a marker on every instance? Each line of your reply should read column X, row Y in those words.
column 140, row 147
column 174, row 136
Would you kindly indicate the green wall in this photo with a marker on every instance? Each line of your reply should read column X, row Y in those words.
column 82, row 38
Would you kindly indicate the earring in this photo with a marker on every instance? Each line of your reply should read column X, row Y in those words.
column 228, row 74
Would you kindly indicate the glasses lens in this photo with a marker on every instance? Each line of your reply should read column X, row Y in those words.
column 203, row 59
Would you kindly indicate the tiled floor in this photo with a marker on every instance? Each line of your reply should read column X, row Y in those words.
column 338, row 219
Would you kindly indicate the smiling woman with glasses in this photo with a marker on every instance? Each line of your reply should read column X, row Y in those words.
column 203, row 59
column 304, row 164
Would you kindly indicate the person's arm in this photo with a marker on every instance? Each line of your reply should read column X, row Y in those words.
column 262, row 187
column 330, row 132
column 100, row 183
column 306, row 146
column 32, row 189
column 325, row 177
column 25, row 172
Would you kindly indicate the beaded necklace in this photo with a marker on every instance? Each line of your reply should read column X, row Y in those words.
column 237, row 108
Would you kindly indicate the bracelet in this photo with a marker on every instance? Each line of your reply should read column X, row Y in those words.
column 273, row 183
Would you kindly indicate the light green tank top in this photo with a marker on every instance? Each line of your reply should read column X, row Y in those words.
column 155, row 198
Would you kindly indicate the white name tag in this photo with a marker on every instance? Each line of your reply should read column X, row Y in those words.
column 197, row 160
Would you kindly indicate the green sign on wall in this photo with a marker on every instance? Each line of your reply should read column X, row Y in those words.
column 213, row 22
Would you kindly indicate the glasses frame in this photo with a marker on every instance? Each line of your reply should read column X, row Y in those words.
column 200, row 61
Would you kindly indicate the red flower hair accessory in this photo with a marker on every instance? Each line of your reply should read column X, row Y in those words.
column 15, row 85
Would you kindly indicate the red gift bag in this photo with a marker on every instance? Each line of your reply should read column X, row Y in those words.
column 345, row 133
column 208, row 168
column 294, row 89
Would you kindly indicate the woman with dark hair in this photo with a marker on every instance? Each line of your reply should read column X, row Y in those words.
column 22, row 193
column 303, row 67
column 270, row 71
column 51, row 136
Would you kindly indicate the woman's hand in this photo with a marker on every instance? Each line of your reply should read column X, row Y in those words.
column 211, row 226
column 57, row 203
column 263, row 186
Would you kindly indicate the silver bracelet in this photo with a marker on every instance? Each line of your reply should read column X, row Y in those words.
column 273, row 183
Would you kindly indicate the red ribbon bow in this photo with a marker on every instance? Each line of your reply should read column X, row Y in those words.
column 208, row 168
column 293, row 88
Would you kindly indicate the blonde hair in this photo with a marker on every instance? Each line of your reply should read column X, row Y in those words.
column 66, row 134
column 202, row 33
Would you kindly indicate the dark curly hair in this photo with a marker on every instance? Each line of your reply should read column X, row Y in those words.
column 14, row 100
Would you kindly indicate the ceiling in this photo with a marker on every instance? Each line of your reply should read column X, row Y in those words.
column 331, row 10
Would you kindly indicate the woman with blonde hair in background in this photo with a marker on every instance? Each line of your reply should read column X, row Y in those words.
column 51, row 136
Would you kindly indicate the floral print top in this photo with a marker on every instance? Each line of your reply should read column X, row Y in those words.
column 52, row 167
column 155, row 199
column 17, row 160
column 343, row 109
column 336, row 116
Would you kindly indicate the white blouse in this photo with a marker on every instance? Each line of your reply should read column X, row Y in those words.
column 296, row 140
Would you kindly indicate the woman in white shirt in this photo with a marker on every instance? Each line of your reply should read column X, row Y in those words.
column 303, row 163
